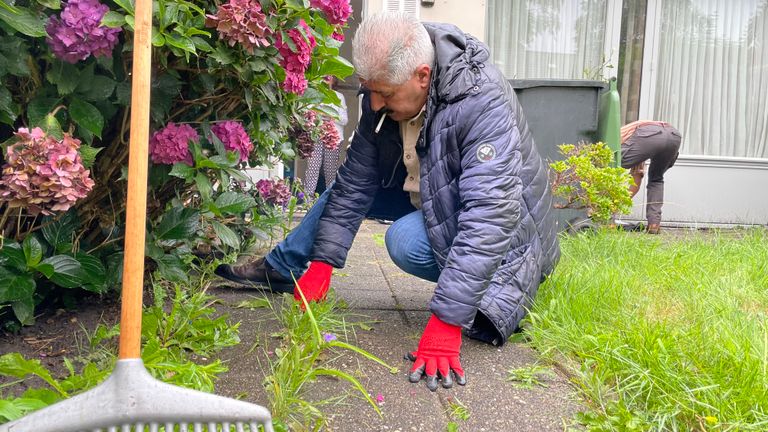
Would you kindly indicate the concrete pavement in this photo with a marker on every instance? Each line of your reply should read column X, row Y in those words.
column 397, row 304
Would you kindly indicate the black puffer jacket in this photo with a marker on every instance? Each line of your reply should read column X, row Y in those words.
column 484, row 188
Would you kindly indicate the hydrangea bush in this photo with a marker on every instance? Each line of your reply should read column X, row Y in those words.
column 231, row 80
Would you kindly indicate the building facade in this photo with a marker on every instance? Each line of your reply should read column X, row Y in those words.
column 701, row 65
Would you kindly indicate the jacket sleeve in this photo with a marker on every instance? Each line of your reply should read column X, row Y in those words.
column 351, row 195
column 490, row 194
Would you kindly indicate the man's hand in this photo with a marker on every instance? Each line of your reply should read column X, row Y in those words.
column 438, row 352
column 314, row 283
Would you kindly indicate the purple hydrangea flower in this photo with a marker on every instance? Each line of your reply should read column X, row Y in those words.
column 274, row 192
column 234, row 137
column 171, row 144
column 78, row 33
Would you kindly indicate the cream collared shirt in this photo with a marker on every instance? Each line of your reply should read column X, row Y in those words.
column 409, row 131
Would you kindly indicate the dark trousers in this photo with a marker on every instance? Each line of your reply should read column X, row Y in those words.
column 660, row 144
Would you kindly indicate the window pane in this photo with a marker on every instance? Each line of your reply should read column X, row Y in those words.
column 712, row 75
column 547, row 38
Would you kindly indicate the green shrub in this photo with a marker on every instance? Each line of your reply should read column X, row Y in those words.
column 585, row 179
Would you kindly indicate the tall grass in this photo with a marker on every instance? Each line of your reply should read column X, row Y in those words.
column 660, row 333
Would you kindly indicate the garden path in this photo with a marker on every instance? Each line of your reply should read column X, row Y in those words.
column 397, row 303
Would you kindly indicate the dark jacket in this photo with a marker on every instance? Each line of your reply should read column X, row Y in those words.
column 484, row 189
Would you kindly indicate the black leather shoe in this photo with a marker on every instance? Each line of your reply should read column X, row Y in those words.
column 256, row 273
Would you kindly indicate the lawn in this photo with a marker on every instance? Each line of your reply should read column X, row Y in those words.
column 661, row 332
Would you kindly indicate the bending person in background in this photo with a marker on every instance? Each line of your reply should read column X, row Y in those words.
column 323, row 157
column 660, row 142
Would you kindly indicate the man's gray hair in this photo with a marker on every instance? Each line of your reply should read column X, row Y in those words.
column 389, row 46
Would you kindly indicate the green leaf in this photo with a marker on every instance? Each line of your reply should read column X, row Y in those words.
column 24, row 22
column 64, row 76
column 39, row 107
column 297, row 4
column 203, row 186
column 222, row 55
column 201, row 44
column 15, row 365
column 87, row 116
column 226, row 235
column 158, row 39
column 59, row 232
column 24, row 310
column 113, row 19
column 16, row 287
column 180, row 42
column 51, row 4
column 97, row 88
column 127, row 5
column 13, row 254
column 92, row 273
column 8, row 108
column 234, row 203
column 33, row 250
column 182, row 170
column 12, row 409
column 88, row 154
column 179, row 223
column 66, row 271
column 337, row 66
column 52, row 127
column 172, row 268
column 45, row 269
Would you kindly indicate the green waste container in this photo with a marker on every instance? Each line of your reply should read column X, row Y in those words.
column 568, row 112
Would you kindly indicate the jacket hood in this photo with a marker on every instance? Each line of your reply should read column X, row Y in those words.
column 456, row 54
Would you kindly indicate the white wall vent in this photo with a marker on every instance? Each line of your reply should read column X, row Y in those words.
column 410, row 7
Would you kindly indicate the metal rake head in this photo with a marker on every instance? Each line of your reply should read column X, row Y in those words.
column 130, row 400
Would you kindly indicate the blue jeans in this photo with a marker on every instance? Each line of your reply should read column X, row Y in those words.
column 406, row 240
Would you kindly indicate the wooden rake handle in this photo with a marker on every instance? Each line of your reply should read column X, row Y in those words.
column 136, row 208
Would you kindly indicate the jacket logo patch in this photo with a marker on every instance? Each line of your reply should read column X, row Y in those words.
column 486, row 152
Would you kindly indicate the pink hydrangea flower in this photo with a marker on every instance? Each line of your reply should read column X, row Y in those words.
column 78, row 33
column 43, row 174
column 329, row 134
column 295, row 82
column 337, row 11
column 171, row 144
column 234, row 137
column 241, row 21
column 296, row 62
column 338, row 35
column 274, row 192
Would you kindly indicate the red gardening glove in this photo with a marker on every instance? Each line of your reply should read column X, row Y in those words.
column 314, row 283
column 438, row 352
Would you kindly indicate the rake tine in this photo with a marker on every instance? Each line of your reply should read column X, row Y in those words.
column 139, row 427
column 153, row 427
column 198, row 427
column 183, row 427
column 212, row 427
column 169, row 427
column 239, row 427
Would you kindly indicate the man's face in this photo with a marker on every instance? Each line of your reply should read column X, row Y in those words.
column 402, row 101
